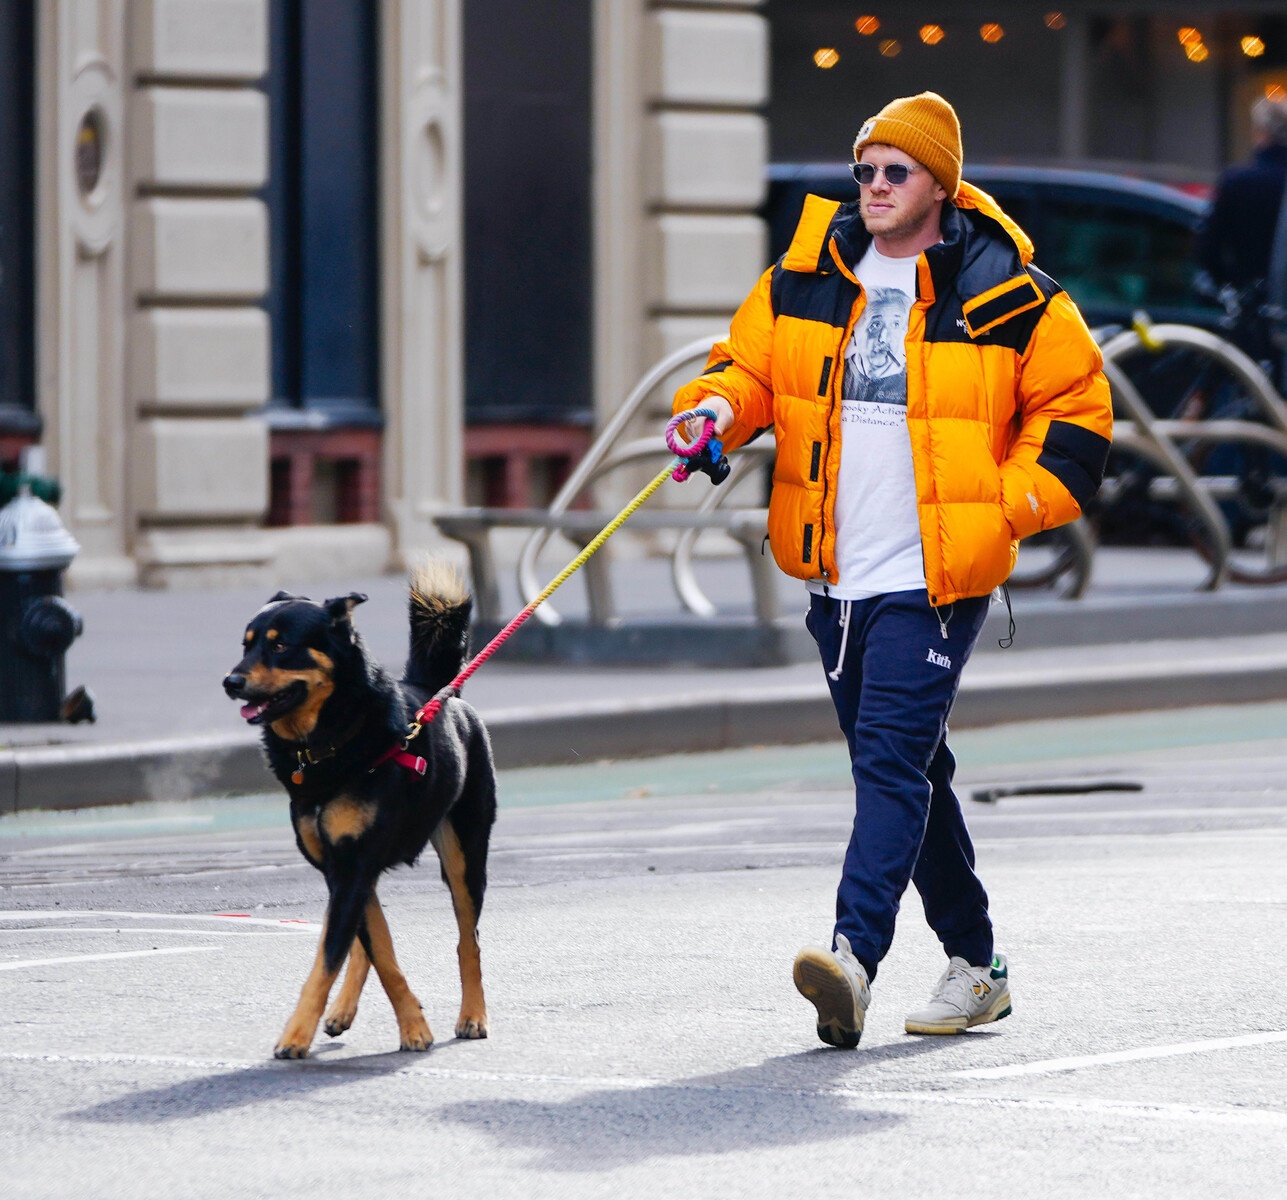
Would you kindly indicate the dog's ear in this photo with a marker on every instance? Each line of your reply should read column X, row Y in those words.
column 286, row 596
column 340, row 608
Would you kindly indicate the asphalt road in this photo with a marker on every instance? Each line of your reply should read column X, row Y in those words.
column 646, row 1037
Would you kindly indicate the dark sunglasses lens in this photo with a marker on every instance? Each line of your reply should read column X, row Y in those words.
column 895, row 174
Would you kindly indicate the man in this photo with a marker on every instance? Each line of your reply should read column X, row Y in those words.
column 1238, row 235
column 935, row 398
column 1237, row 244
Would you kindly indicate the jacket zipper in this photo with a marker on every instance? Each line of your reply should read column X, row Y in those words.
column 837, row 379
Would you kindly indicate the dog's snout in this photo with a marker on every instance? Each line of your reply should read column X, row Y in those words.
column 234, row 683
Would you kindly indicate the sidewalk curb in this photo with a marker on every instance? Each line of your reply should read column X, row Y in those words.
column 65, row 777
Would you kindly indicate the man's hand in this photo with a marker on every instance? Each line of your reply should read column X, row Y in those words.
column 723, row 411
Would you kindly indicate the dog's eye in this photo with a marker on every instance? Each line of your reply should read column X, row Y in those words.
column 279, row 647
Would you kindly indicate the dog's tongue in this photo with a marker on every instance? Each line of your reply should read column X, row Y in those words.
column 251, row 711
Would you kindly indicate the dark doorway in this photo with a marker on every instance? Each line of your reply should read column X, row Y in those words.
column 323, row 300
column 527, row 211
column 322, row 197
column 18, row 419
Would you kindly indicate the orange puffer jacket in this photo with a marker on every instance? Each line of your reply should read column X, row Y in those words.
column 1007, row 409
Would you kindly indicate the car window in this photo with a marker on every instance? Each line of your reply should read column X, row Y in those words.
column 1109, row 256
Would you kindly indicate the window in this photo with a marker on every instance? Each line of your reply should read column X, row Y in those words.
column 18, row 417
column 322, row 197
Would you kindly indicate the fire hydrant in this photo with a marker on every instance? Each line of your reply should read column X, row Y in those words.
column 36, row 624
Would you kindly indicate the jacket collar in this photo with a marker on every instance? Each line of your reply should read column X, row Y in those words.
column 981, row 247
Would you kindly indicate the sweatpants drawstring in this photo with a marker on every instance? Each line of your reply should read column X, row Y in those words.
column 846, row 608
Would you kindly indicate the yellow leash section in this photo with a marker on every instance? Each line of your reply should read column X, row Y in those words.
column 602, row 536
column 685, row 456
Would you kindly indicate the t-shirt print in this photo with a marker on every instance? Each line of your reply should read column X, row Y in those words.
column 876, row 358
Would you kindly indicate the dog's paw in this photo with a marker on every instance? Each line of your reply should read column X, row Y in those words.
column 471, row 1026
column 295, row 1039
column 338, row 1020
column 414, row 1033
column 285, row 1049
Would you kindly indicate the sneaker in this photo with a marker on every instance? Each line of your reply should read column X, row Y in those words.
column 835, row 983
column 964, row 997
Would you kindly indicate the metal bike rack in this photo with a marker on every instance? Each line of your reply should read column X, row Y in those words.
column 1163, row 442
column 593, row 465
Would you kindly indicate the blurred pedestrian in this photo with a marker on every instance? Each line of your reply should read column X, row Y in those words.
column 1236, row 245
column 935, row 398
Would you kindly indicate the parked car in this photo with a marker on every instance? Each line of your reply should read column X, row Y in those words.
column 1115, row 243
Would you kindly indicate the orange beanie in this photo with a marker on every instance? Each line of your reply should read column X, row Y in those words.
column 927, row 128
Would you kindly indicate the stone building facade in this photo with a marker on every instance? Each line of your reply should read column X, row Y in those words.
column 153, row 327
column 152, row 261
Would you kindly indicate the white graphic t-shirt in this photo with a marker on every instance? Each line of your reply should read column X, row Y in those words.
column 878, row 535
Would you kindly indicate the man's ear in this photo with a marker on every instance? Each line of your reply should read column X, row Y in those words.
column 340, row 608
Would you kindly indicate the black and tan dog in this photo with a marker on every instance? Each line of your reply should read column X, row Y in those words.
column 329, row 714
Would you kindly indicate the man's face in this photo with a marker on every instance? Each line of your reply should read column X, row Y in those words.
column 893, row 212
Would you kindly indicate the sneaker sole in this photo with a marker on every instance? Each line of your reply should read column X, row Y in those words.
column 961, row 1024
column 821, row 983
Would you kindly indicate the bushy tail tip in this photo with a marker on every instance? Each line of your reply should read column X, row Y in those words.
column 440, row 606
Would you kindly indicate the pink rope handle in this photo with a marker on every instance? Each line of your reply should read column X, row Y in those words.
column 689, row 451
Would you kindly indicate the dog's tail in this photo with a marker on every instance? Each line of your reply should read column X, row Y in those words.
column 440, row 606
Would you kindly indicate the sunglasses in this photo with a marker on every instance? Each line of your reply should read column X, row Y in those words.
column 895, row 173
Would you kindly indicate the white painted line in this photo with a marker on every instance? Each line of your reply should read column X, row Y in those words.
column 128, row 929
column 289, row 924
column 1090, row 1106
column 1051, row 1065
column 80, row 958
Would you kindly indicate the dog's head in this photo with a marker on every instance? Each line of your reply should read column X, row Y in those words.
column 288, row 672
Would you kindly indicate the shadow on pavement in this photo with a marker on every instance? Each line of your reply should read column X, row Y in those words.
column 246, row 1086
column 784, row 1101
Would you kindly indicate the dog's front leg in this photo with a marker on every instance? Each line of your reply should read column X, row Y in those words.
column 343, row 1011
column 297, row 1037
column 349, row 894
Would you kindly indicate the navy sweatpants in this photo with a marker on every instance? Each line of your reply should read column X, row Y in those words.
column 895, row 689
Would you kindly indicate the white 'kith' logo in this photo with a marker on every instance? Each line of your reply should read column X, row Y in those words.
column 939, row 660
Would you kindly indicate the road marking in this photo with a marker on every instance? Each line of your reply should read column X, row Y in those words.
column 1052, row 1065
column 289, row 924
column 127, row 929
column 79, row 958
column 1091, row 1105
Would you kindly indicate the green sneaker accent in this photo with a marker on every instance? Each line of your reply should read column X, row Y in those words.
column 965, row 996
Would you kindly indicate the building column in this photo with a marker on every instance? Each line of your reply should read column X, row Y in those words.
column 681, row 148
column 198, row 272
column 80, row 238
column 1074, row 89
column 422, row 285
